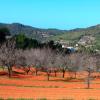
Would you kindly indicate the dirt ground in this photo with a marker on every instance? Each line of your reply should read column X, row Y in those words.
column 31, row 86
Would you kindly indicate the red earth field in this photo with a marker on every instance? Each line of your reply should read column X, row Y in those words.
column 58, row 88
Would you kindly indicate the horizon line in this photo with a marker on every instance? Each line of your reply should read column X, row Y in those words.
column 48, row 27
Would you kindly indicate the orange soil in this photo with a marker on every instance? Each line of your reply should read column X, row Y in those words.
column 31, row 86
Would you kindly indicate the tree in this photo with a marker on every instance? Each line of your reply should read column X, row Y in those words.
column 24, row 42
column 21, row 60
column 89, row 65
column 7, row 55
column 3, row 33
column 75, row 63
column 28, row 60
column 35, row 59
column 63, row 63
column 97, row 56
column 51, row 44
column 10, row 56
column 47, row 61
column 20, row 40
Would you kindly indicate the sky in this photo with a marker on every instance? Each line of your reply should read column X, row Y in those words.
column 61, row 14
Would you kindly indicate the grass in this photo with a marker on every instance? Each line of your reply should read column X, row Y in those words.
column 1, row 98
column 10, row 99
column 66, row 99
column 92, row 99
column 30, row 86
column 42, row 99
column 16, row 99
column 23, row 99
column 44, row 86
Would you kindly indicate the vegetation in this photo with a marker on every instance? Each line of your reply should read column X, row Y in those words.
column 47, row 60
column 72, row 36
column 3, row 33
column 49, row 57
column 16, row 99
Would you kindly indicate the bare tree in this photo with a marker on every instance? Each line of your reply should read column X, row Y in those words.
column 63, row 63
column 38, row 55
column 97, row 56
column 7, row 55
column 75, row 59
column 89, row 65
column 35, row 58
column 48, row 61
column 28, row 60
column 21, row 60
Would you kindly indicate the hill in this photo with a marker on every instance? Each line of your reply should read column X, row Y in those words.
column 76, row 35
column 73, row 36
column 29, row 31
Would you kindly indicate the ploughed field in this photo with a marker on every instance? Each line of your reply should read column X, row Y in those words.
column 57, row 88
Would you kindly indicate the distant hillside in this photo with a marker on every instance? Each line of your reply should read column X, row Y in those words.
column 76, row 34
column 37, row 33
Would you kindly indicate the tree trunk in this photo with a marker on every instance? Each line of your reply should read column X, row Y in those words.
column 36, row 72
column 9, row 71
column 88, row 80
column 63, row 74
column 27, row 72
column 55, row 73
column 75, row 74
column 48, row 74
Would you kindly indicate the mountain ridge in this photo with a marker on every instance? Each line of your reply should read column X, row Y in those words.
column 52, row 33
column 16, row 28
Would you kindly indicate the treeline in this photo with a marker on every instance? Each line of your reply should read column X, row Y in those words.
column 3, row 33
column 47, row 60
column 23, row 42
column 21, row 51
